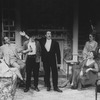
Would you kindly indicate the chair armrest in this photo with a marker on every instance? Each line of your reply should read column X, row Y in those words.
column 97, row 80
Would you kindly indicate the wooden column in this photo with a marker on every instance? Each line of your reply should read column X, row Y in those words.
column 75, row 31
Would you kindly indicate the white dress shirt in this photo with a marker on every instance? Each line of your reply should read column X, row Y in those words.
column 32, row 46
column 48, row 44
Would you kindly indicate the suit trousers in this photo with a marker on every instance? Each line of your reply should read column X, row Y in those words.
column 51, row 66
column 32, row 66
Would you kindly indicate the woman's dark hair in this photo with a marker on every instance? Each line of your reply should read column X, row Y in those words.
column 93, row 34
column 94, row 54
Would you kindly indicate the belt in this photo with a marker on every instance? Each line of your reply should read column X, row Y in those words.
column 31, row 55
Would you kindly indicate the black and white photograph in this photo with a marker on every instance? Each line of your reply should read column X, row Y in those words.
column 49, row 49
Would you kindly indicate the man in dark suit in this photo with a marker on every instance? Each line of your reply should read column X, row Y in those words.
column 50, row 54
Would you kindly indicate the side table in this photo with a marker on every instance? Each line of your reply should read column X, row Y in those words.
column 69, row 62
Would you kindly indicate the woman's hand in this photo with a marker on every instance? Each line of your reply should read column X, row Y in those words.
column 88, row 70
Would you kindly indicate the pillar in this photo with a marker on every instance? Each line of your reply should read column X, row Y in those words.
column 17, row 23
column 75, row 30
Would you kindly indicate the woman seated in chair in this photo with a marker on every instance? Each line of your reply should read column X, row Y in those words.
column 86, row 72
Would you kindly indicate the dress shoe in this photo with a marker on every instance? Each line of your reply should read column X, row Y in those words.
column 48, row 88
column 36, row 89
column 22, row 84
column 26, row 89
column 57, row 89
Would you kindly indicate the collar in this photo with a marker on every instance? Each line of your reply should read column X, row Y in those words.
column 48, row 39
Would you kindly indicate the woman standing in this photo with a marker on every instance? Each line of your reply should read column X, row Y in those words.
column 90, row 45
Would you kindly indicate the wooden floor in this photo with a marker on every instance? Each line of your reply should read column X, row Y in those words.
column 68, row 94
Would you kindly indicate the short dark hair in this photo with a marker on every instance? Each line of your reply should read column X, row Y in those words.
column 48, row 32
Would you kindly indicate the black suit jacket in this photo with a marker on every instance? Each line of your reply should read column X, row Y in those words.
column 54, row 53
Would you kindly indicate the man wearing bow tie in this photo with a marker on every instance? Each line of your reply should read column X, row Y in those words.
column 50, row 54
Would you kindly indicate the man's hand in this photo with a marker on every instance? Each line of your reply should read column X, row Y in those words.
column 22, row 33
column 27, row 51
column 81, row 73
column 58, row 66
